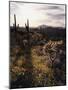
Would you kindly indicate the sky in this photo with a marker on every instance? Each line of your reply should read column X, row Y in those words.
column 37, row 14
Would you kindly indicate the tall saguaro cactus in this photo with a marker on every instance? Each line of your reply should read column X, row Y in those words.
column 15, row 22
column 27, row 26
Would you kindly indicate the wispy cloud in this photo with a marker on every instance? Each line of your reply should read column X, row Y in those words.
column 55, row 7
column 51, row 7
column 56, row 16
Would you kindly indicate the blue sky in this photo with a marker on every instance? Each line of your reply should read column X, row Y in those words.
column 38, row 14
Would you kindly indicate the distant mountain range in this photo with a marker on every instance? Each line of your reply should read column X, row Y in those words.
column 46, row 26
column 42, row 26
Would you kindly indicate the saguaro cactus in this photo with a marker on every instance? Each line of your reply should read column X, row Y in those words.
column 15, row 22
column 27, row 31
column 27, row 26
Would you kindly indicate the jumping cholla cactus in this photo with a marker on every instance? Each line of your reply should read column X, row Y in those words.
column 51, row 49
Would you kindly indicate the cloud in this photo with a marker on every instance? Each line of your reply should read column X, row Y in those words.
column 51, row 7
column 56, row 16
column 14, row 5
column 55, row 7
